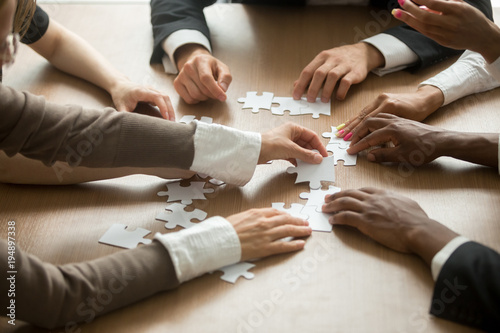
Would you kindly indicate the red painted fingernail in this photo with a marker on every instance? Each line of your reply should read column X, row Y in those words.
column 401, row 2
column 339, row 133
column 348, row 136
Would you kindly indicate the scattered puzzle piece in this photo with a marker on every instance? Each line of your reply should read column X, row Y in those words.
column 288, row 104
column 294, row 210
column 317, row 197
column 233, row 272
column 318, row 221
column 254, row 102
column 188, row 119
column 314, row 173
column 185, row 195
column 341, row 154
column 179, row 217
column 212, row 180
column 335, row 140
column 316, row 108
column 119, row 235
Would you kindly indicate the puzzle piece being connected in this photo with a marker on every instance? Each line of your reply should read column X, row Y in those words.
column 314, row 173
column 316, row 108
column 294, row 210
column 316, row 198
column 254, row 102
column 294, row 107
column 119, row 235
column 179, row 217
column 233, row 272
column 336, row 140
column 185, row 195
column 188, row 119
column 212, row 180
column 318, row 221
column 341, row 154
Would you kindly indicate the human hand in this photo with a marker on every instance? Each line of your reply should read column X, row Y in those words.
column 126, row 95
column 390, row 219
column 416, row 106
column 291, row 141
column 260, row 232
column 412, row 141
column 345, row 65
column 454, row 24
column 201, row 75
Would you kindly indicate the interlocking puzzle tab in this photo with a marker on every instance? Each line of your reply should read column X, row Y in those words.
column 318, row 221
column 294, row 210
column 257, row 102
column 340, row 154
column 189, row 118
column 336, row 140
column 314, row 173
column 178, row 216
column 119, row 235
column 233, row 272
column 317, row 108
column 294, row 107
column 316, row 198
column 185, row 195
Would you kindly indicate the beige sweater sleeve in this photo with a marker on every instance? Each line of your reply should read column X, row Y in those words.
column 61, row 296
column 49, row 132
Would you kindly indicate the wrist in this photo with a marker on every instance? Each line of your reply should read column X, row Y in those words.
column 490, row 49
column 430, row 98
column 428, row 238
column 374, row 58
column 116, row 83
column 186, row 52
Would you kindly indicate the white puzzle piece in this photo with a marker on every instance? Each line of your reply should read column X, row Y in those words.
column 341, row 154
column 179, row 217
column 318, row 221
column 211, row 180
column 185, row 195
column 233, row 272
column 288, row 104
column 316, row 108
column 119, row 235
column 317, row 197
column 294, row 210
column 254, row 102
column 188, row 119
column 335, row 140
column 314, row 173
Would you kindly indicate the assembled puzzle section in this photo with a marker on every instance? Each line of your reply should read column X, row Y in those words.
column 294, row 107
column 314, row 173
column 294, row 210
column 340, row 154
column 186, row 194
column 336, row 140
column 189, row 118
column 318, row 221
column 317, row 108
column 257, row 102
column 176, row 215
column 119, row 235
column 316, row 198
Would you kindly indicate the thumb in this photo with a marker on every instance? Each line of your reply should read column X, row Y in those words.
column 224, row 78
column 306, row 155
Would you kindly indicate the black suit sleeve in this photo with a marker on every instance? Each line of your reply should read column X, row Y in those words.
column 168, row 16
column 467, row 290
column 428, row 51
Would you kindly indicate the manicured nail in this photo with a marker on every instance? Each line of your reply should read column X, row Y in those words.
column 348, row 136
column 396, row 13
column 339, row 133
column 401, row 2
column 341, row 126
column 223, row 85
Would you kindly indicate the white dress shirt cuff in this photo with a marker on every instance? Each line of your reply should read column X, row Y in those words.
column 494, row 69
column 207, row 246
column 468, row 75
column 442, row 256
column 397, row 54
column 499, row 154
column 225, row 153
column 178, row 39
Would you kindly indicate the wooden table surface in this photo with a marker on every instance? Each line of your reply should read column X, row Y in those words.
column 342, row 281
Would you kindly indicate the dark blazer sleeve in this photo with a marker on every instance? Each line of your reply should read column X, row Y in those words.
column 467, row 290
column 168, row 16
column 428, row 51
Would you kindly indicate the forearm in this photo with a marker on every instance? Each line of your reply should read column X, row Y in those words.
column 52, row 296
column 490, row 49
column 472, row 147
column 73, row 55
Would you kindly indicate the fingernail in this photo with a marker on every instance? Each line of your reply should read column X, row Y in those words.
column 296, row 96
column 318, row 158
column 223, row 85
column 330, row 220
column 348, row 136
column 222, row 97
column 341, row 126
column 339, row 133
column 371, row 158
column 396, row 13
column 401, row 2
